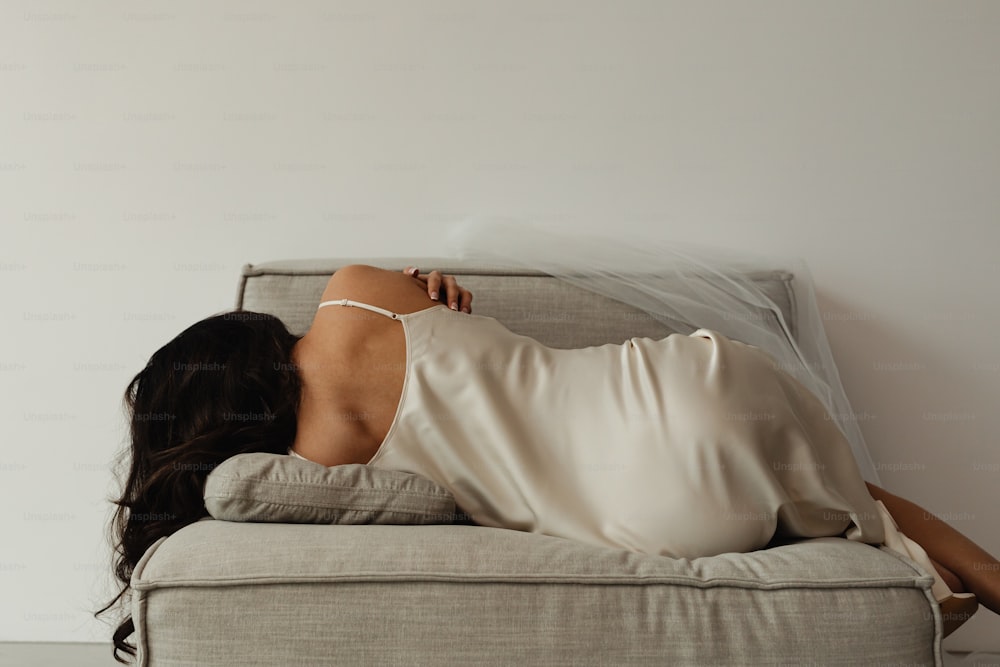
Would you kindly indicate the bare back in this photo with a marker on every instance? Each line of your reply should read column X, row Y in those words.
column 353, row 364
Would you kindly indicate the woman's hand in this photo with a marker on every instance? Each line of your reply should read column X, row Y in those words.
column 457, row 297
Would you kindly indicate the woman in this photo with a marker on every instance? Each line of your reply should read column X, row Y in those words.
column 393, row 356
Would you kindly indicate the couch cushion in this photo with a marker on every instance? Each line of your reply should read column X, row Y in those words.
column 461, row 595
column 278, row 488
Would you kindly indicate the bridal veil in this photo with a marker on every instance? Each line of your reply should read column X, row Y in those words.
column 685, row 287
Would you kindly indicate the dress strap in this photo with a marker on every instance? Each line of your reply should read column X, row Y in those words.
column 358, row 304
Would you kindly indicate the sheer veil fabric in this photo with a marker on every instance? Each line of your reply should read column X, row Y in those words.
column 685, row 287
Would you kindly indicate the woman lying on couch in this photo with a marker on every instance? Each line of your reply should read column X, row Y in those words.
column 687, row 446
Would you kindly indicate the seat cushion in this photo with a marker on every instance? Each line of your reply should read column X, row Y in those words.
column 460, row 595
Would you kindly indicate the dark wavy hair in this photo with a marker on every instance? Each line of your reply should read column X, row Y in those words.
column 224, row 386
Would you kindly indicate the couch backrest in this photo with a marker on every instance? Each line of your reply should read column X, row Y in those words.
column 527, row 302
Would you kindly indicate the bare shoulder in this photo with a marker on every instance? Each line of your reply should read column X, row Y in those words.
column 392, row 290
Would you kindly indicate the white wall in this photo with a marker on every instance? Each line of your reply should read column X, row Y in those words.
column 148, row 150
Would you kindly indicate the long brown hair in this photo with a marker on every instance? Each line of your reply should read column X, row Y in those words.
column 224, row 386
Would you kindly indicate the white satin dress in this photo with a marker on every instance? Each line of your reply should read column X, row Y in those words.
column 685, row 446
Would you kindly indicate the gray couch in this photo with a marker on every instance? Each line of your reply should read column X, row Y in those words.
column 241, row 593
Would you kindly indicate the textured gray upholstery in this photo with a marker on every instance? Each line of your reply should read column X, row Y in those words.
column 529, row 303
column 278, row 488
column 227, row 593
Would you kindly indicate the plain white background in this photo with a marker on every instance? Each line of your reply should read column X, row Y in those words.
column 148, row 150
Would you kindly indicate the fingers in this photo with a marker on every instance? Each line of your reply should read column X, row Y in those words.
column 466, row 300
column 445, row 288
column 459, row 298
column 414, row 273
column 454, row 292
column 433, row 284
